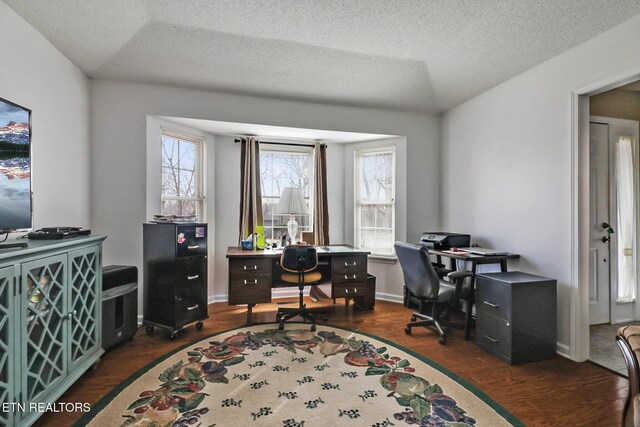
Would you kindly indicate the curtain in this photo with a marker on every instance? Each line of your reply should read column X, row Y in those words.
column 626, row 222
column 320, row 204
column 250, row 192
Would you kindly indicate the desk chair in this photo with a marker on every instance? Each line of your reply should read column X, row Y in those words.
column 422, row 281
column 299, row 263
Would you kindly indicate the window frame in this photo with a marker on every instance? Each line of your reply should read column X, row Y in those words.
column 290, row 149
column 359, row 203
column 199, row 198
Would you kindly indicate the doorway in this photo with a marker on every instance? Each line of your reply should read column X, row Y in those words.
column 613, row 222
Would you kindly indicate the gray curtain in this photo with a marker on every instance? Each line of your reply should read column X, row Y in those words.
column 320, row 204
column 250, row 192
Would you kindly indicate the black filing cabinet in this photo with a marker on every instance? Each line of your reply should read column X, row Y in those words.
column 516, row 316
column 175, row 276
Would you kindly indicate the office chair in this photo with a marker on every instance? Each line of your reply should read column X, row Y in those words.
column 299, row 263
column 422, row 281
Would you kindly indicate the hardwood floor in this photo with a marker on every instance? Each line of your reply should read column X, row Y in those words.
column 557, row 392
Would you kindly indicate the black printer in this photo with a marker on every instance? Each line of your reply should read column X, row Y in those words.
column 444, row 240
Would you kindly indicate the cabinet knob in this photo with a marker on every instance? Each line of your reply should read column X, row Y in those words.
column 71, row 314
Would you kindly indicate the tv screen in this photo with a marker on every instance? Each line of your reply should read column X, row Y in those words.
column 15, row 167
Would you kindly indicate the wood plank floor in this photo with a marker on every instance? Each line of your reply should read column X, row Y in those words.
column 557, row 392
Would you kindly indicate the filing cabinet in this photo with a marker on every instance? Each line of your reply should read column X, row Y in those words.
column 516, row 316
column 175, row 276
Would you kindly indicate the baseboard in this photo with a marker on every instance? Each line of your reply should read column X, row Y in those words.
column 389, row 297
column 563, row 350
column 217, row 298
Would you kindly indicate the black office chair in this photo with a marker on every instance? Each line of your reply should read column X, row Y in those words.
column 300, row 263
column 422, row 281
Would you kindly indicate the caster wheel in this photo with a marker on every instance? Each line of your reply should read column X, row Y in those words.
column 442, row 340
column 281, row 326
column 278, row 317
column 414, row 318
column 199, row 326
column 149, row 330
column 173, row 335
column 407, row 330
column 313, row 327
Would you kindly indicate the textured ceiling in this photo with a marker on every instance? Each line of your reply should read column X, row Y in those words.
column 422, row 55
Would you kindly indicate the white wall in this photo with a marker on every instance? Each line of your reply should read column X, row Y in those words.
column 119, row 174
column 37, row 76
column 507, row 160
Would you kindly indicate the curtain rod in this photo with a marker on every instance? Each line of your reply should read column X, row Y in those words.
column 291, row 144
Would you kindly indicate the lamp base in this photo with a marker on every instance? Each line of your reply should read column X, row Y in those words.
column 292, row 228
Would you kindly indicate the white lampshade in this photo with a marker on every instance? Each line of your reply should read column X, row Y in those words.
column 292, row 202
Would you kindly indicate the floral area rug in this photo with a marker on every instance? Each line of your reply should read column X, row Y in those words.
column 261, row 376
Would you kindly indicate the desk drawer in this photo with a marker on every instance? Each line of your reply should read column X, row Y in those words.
column 350, row 277
column 356, row 289
column 190, row 270
column 493, row 297
column 249, row 266
column 493, row 334
column 191, row 240
column 249, row 289
column 349, row 265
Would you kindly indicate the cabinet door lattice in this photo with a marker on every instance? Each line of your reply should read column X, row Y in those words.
column 6, row 342
column 85, row 286
column 44, row 358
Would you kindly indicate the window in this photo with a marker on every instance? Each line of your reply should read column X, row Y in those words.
column 375, row 200
column 181, row 175
column 280, row 169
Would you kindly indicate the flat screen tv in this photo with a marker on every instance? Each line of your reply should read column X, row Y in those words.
column 15, row 167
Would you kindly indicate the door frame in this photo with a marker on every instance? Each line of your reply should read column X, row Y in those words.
column 579, row 309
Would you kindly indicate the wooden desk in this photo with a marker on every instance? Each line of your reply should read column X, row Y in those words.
column 252, row 274
column 475, row 260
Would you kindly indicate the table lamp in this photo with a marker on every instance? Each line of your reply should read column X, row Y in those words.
column 292, row 203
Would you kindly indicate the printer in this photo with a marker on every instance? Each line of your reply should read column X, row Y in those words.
column 444, row 240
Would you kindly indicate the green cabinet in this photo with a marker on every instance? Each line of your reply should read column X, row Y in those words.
column 50, row 322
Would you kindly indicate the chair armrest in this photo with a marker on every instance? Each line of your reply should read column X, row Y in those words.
column 459, row 275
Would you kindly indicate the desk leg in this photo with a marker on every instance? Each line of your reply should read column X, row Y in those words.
column 503, row 265
column 249, row 313
column 470, row 301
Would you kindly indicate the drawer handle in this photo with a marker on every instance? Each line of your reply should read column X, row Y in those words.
column 346, row 264
column 491, row 305
column 193, row 277
column 255, row 267
column 352, row 277
column 255, row 282
column 192, row 247
column 355, row 290
column 192, row 308
column 493, row 340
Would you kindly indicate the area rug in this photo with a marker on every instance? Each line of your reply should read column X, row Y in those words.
column 259, row 375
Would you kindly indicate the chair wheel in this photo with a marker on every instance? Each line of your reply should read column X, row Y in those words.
column 313, row 327
column 173, row 335
column 414, row 318
column 442, row 340
column 407, row 330
column 278, row 317
column 149, row 330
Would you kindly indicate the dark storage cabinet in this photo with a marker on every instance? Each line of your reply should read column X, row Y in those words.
column 516, row 316
column 175, row 276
